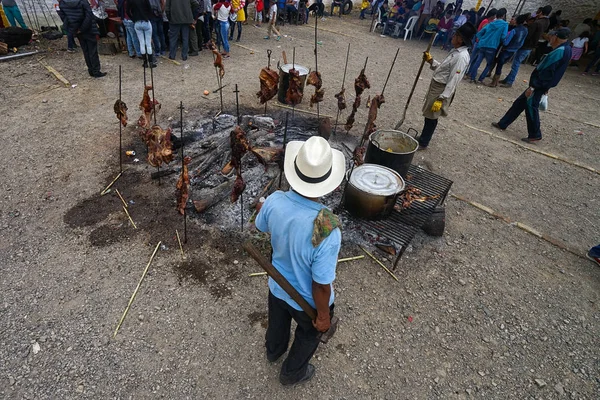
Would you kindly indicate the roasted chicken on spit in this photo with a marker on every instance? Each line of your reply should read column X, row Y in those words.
column 120, row 109
column 148, row 107
column 159, row 145
column 269, row 80
column 239, row 146
column 183, row 186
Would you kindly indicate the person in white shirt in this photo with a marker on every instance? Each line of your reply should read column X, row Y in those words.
column 446, row 77
column 272, row 20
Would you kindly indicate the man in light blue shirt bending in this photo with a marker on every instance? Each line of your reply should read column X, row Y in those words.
column 306, row 240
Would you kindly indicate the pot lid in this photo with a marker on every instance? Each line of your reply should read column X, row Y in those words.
column 376, row 179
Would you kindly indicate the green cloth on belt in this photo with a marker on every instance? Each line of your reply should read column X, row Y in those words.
column 324, row 224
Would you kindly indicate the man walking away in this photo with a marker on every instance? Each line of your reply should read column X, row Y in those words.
column 306, row 240
column 444, row 81
column 545, row 76
column 180, row 16
column 13, row 14
column 512, row 43
column 490, row 38
column 78, row 18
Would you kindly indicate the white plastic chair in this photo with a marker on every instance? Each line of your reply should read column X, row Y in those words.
column 378, row 21
column 408, row 28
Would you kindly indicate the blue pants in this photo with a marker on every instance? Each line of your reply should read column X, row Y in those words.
column 133, row 44
column 520, row 56
column 71, row 40
column 158, row 36
column 224, row 29
column 143, row 29
column 595, row 251
column 532, row 113
column 239, row 26
column 13, row 13
column 486, row 53
column 503, row 57
column 174, row 31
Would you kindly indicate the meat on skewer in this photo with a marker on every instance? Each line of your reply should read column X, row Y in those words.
column 239, row 147
column 412, row 194
column 314, row 79
column 375, row 105
column 183, row 186
column 159, row 145
column 148, row 107
column 219, row 63
column 360, row 84
column 120, row 109
column 294, row 93
column 269, row 80
column 341, row 98
column 238, row 188
column 358, row 155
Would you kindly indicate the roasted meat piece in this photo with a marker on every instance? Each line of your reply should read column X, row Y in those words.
column 341, row 98
column 294, row 93
column 238, row 188
column 358, row 155
column 159, row 145
column 120, row 109
column 269, row 80
column 361, row 83
column 349, row 122
column 239, row 146
column 314, row 79
column 412, row 194
column 219, row 63
column 375, row 105
column 317, row 97
column 148, row 107
column 183, row 186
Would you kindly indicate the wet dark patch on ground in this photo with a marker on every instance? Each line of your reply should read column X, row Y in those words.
column 91, row 211
column 259, row 317
column 106, row 235
column 193, row 269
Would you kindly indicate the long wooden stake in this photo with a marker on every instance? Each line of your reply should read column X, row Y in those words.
column 380, row 263
column 350, row 259
column 129, row 216
column 102, row 193
column 122, row 199
column 135, row 291
column 180, row 246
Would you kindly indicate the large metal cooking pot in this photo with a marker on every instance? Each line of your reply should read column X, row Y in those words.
column 372, row 191
column 392, row 149
column 284, row 79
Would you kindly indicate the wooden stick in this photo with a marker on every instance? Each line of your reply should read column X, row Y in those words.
column 122, row 199
column 180, row 246
column 252, row 51
column 350, row 258
column 129, row 216
column 380, row 263
column 135, row 291
column 257, row 274
column 102, row 193
column 56, row 74
column 173, row 61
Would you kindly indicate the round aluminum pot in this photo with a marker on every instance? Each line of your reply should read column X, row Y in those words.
column 372, row 191
column 284, row 79
column 392, row 149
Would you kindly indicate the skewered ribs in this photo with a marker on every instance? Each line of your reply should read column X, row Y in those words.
column 148, row 107
column 375, row 105
column 341, row 98
column 360, row 84
column 314, row 78
column 120, row 109
column 269, row 80
column 159, row 145
column 294, row 93
column 183, row 186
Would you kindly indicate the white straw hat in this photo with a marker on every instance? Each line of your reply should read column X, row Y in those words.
column 313, row 168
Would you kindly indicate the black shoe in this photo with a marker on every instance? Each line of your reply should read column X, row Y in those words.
column 497, row 125
column 531, row 140
column 231, row 38
column 145, row 64
column 99, row 74
column 193, row 54
column 502, row 81
column 183, row 58
column 310, row 372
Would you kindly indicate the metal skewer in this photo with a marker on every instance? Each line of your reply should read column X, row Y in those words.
column 218, row 81
column 293, row 67
column 316, row 60
column 268, row 67
column 120, row 127
column 237, row 103
column 343, row 82
column 287, row 114
column 182, row 170
column 27, row 14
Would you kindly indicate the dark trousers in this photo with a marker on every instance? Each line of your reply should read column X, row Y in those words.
column 427, row 132
column 205, row 29
column 541, row 50
column 174, row 31
column 158, row 36
column 277, row 338
column 532, row 113
column 483, row 53
column 504, row 56
column 71, row 40
column 239, row 26
column 89, row 48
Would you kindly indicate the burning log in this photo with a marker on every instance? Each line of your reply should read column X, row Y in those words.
column 209, row 197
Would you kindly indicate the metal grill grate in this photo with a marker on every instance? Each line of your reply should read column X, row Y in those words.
column 401, row 226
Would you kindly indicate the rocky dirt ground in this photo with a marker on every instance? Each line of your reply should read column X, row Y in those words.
column 487, row 311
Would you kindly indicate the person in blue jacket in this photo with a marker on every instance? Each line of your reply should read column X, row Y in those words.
column 545, row 76
column 513, row 42
column 489, row 38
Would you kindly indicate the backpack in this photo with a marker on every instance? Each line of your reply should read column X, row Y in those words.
column 155, row 6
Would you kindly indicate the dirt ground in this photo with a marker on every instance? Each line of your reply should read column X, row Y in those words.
column 486, row 311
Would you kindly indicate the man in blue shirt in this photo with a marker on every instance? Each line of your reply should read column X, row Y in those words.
column 306, row 241
column 545, row 76
column 513, row 42
column 489, row 38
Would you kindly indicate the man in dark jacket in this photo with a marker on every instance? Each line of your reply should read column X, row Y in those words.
column 77, row 18
column 180, row 14
column 545, row 76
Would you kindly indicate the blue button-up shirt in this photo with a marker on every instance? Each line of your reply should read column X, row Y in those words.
column 289, row 218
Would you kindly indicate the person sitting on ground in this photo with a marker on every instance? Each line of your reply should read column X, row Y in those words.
column 306, row 241
column 580, row 47
column 272, row 21
column 544, row 77
column 446, row 77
